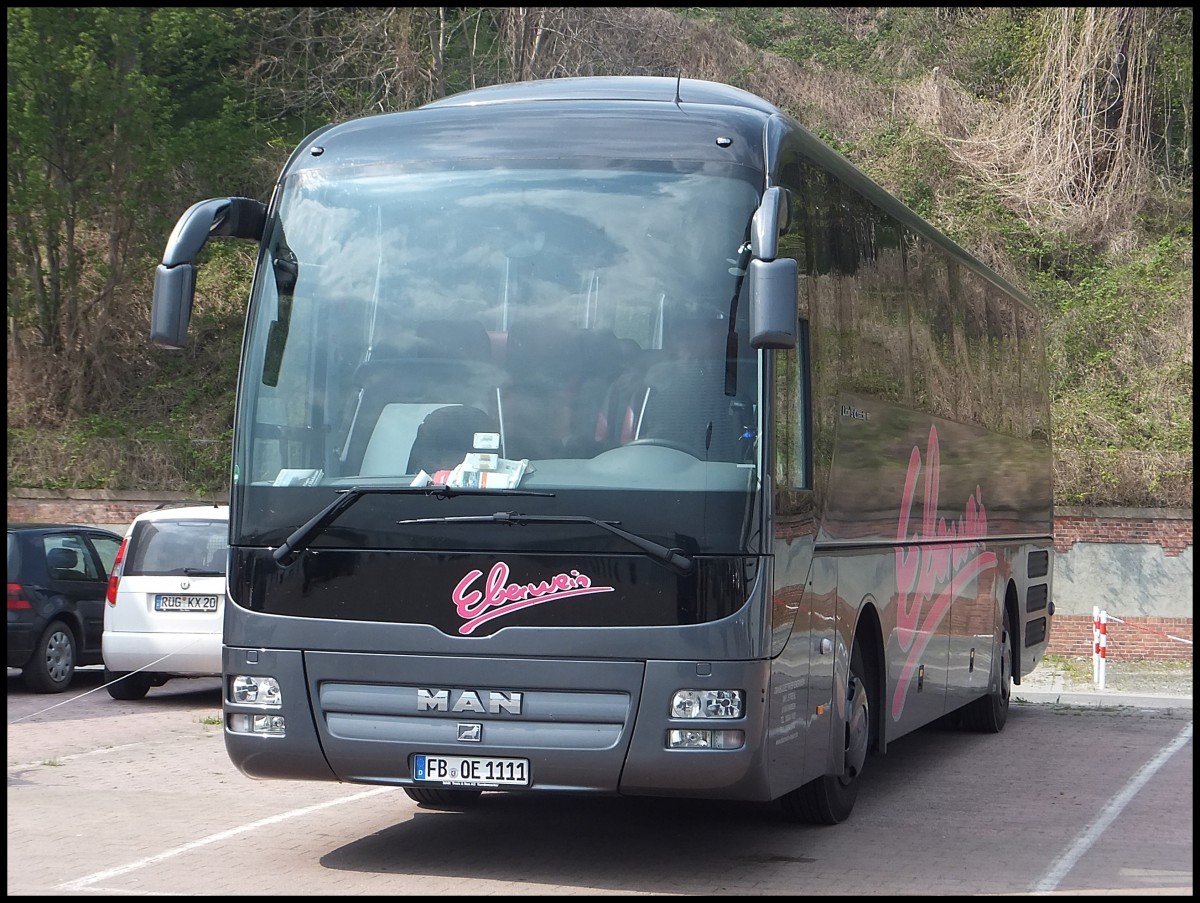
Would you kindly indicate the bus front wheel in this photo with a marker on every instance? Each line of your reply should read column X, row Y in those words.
column 440, row 798
column 829, row 799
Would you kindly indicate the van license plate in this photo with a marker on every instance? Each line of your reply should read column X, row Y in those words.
column 471, row 771
column 185, row 603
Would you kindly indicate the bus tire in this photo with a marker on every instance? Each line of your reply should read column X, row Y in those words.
column 829, row 799
column 987, row 714
column 440, row 798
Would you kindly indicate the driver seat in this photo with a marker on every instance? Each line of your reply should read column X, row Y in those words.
column 446, row 436
column 685, row 404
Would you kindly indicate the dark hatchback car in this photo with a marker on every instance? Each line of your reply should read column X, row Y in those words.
column 57, row 580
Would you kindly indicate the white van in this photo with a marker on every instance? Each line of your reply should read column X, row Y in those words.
column 166, row 599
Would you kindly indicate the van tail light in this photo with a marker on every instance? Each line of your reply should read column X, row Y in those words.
column 115, row 577
column 16, row 598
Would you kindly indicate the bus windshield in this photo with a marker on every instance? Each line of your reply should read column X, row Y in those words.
column 541, row 327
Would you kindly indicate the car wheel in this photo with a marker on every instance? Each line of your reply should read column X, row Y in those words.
column 126, row 685
column 52, row 665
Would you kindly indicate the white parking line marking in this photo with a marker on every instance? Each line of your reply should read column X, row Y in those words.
column 56, row 705
column 82, row 883
column 90, row 752
column 1092, row 832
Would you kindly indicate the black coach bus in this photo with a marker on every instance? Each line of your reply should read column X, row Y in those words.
column 615, row 435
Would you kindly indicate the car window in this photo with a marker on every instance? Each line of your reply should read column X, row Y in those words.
column 68, row 557
column 14, row 557
column 175, row 547
column 106, row 547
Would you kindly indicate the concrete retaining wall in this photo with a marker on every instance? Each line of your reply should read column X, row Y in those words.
column 1134, row 563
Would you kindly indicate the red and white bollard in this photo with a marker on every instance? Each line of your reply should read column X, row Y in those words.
column 1103, row 645
column 1095, row 643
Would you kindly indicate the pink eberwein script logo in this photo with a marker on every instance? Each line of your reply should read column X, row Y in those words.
column 923, row 573
column 498, row 599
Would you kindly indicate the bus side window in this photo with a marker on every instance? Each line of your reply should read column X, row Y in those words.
column 793, row 423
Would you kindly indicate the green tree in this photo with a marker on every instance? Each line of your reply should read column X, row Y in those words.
column 104, row 105
column 999, row 124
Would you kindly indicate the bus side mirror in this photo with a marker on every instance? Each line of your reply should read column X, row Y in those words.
column 772, row 282
column 175, row 278
column 773, row 285
column 771, row 220
column 174, row 289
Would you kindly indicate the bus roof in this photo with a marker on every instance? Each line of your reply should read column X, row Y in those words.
column 612, row 87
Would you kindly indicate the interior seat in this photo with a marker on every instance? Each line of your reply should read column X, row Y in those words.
column 685, row 404
column 63, row 563
column 448, row 363
column 445, row 437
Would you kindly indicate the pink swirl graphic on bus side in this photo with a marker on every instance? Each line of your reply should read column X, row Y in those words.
column 925, row 574
column 500, row 598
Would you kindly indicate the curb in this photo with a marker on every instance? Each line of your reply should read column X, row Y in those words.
column 1100, row 699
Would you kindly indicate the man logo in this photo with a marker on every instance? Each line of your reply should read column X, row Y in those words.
column 470, row 733
column 491, row 702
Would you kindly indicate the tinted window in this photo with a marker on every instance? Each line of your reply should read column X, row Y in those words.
column 106, row 548
column 14, row 558
column 538, row 296
column 177, row 547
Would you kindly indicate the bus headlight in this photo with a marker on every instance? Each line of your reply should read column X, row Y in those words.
column 246, row 689
column 697, row 739
column 241, row 723
column 707, row 704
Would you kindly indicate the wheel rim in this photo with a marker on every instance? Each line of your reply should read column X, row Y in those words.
column 59, row 656
column 858, row 728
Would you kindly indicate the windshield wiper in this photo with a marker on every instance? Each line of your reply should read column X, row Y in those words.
column 303, row 535
column 202, row 572
column 673, row 558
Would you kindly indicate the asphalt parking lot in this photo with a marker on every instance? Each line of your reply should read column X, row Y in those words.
column 139, row 798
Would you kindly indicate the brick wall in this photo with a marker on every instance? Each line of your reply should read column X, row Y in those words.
column 1142, row 638
column 1174, row 534
column 1136, row 639
column 95, row 507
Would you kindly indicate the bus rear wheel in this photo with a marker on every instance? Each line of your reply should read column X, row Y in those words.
column 987, row 714
column 441, row 798
column 829, row 799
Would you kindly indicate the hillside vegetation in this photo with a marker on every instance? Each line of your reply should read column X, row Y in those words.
column 1055, row 144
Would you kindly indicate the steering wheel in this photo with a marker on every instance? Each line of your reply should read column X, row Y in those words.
column 664, row 443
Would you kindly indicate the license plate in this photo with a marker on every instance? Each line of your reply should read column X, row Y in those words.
column 185, row 603
column 471, row 771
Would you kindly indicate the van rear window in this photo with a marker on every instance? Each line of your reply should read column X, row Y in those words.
column 180, row 547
